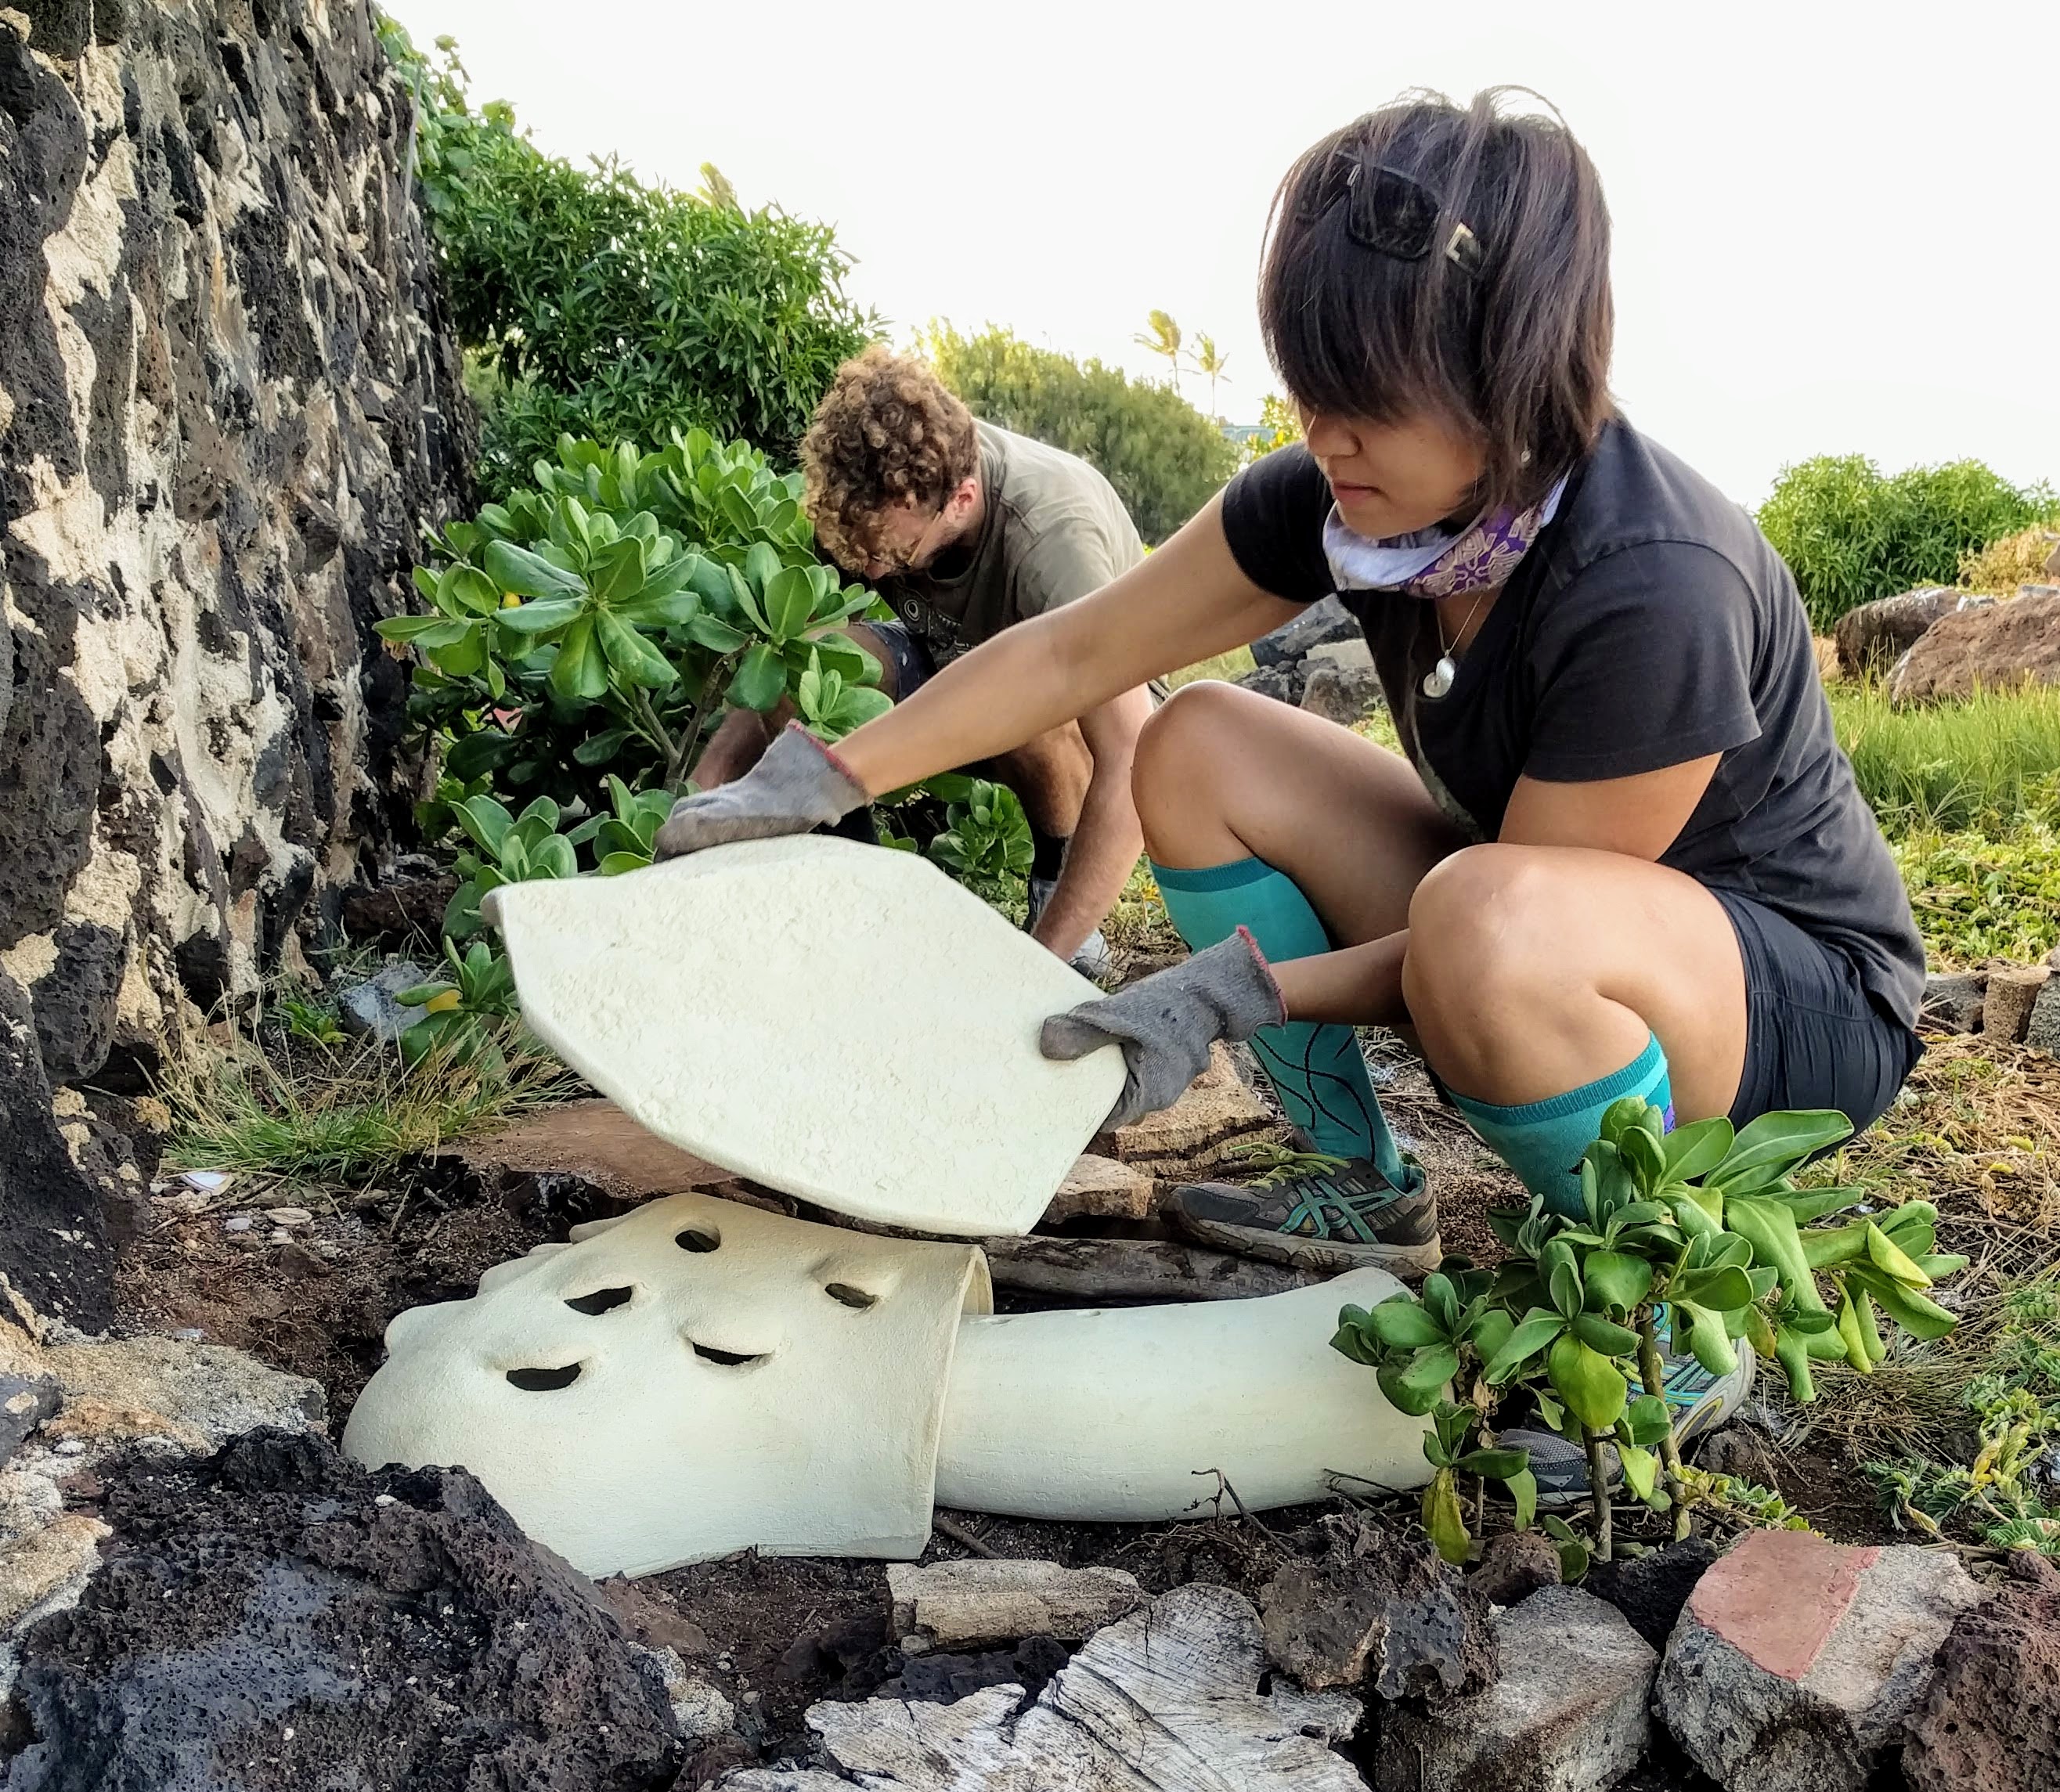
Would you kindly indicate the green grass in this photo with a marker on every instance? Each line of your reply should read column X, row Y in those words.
column 1969, row 795
column 1224, row 666
column 294, row 1109
column 1991, row 762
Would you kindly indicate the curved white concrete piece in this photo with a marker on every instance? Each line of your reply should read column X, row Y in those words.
column 701, row 1376
column 840, row 1022
column 1122, row 1412
column 696, row 1377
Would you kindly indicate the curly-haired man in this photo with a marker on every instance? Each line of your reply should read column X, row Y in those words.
column 967, row 529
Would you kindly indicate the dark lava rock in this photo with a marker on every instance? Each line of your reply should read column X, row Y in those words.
column 1514, row 1565
column 1283, row 684
column 26, row 1402
column 276, row 1618
column 1341, row 694
column 1364, row 1606
column 1992, row 1719
column 1873, row 636
column 374, row 1007
column 1953, row 1004
column 407, row 909
column 1650, row 1590
column 944, row 1679
column 1319, row 625
column 53, row 1237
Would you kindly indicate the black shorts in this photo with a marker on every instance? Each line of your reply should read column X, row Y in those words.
column 913, row 665
column 1814, row 1038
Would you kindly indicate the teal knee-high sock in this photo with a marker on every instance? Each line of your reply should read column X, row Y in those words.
column 1316, row 1071
column 1542, row 1141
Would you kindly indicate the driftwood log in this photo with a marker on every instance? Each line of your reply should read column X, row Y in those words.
column 1101, row 1269
column 1167, row 1699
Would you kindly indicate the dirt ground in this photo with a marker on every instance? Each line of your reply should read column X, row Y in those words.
column 777, row 1635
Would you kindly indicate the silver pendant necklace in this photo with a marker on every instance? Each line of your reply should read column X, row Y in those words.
column 1438, row 680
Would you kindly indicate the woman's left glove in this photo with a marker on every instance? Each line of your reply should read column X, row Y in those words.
column 1166, row 1024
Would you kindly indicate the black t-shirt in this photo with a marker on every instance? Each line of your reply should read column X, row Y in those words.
column 1650, row 624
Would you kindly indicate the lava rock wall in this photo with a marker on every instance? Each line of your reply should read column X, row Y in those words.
column 227, row 406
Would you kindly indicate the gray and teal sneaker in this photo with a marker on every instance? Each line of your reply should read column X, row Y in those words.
column 1348, row 1218
column 1698, row 1400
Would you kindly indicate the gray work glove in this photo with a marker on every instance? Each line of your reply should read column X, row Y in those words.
column 798, row 783
column 1166, row 1024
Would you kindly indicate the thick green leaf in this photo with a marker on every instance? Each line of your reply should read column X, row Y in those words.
column 1890, row 1259
column 403, row 629
column 1588, row 1383
column 1401, row 1324
column 716, row 635
column 1648, row 1420
column 1695, row 1150
column 528, row 575
column 1490, row 1330
column 615, row 863
column 1718, row 1289
column 790, row 600
column 1524, row 1490
column 1534, row 1332
column 553, row 858
column 1443, row 1520
column 484, row 821
column 459, row 656
column 1807, row 1204
column 577, row 674
column 1775, row 1143
column 471, row 755
column 634, row 659
column 1441, row 1301
column 1611, row 1280
column 541, row 615
column 1641, row 1468
column 1709, row 1337
column 1494, row 1465
column 1350, row 1341
column 598, row 749
column 1922, row 1317
column 1605, row 1336
column 760, row 680
column 1415, row 1386
column 1827, row 1245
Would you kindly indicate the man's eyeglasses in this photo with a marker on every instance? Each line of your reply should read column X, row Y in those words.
column 1387, row 211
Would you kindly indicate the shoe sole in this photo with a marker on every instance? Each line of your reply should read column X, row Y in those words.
column 1412, row 1260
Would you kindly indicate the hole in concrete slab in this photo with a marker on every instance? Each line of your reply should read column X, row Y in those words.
column 698, row 1237
column 845, row 1294
column 728, row 1359
column 544, row 1381
column 602, row 1300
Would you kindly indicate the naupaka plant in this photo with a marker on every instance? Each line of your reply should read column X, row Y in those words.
column 1699, row 1236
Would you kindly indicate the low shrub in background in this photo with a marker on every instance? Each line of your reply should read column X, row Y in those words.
column 1851, row 534
column 2019, row 559
column 592, row 304
column 1164, row 458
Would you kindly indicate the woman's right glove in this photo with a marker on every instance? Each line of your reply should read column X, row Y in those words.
column 798, row 784
column 1167, row 1022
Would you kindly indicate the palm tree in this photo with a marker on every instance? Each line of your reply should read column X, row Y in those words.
column 1210, row 364
column 1163, row 338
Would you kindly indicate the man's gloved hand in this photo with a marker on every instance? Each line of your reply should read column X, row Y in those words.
column 798, row 784
column 1166, row 1024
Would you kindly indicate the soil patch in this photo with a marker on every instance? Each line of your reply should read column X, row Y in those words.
column 274, row 1617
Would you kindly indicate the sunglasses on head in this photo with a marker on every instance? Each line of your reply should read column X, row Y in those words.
column 1387, row 211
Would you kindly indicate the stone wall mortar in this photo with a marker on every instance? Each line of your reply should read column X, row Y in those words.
column 228, row 406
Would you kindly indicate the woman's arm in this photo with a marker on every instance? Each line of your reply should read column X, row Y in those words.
column 1187, row 601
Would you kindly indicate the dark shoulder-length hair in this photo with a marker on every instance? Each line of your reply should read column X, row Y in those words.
column 1452, row 260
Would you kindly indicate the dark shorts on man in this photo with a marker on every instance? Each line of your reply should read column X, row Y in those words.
column 1814, row 1038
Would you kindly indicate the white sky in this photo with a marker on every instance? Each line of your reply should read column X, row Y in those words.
column 1835, row 228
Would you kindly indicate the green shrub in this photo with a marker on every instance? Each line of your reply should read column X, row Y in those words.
column 1850, row 535
column 1978, row 896
column 598, row 621
column 1705, row 1223
column 593, row 304
column 1990, row 762
column 1164, row 458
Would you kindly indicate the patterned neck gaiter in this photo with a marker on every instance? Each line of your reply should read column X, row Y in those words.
column 1434, row 563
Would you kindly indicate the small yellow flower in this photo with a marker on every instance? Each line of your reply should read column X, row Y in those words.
column 441, row 1005
column 510, row 600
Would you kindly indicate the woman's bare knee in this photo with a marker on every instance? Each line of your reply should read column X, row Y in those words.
column 1175, row 774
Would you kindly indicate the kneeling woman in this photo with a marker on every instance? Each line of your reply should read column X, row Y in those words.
column 1622, row 854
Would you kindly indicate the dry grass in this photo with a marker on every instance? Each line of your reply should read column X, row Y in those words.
column 1978, row 1132
column 2016, row 560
